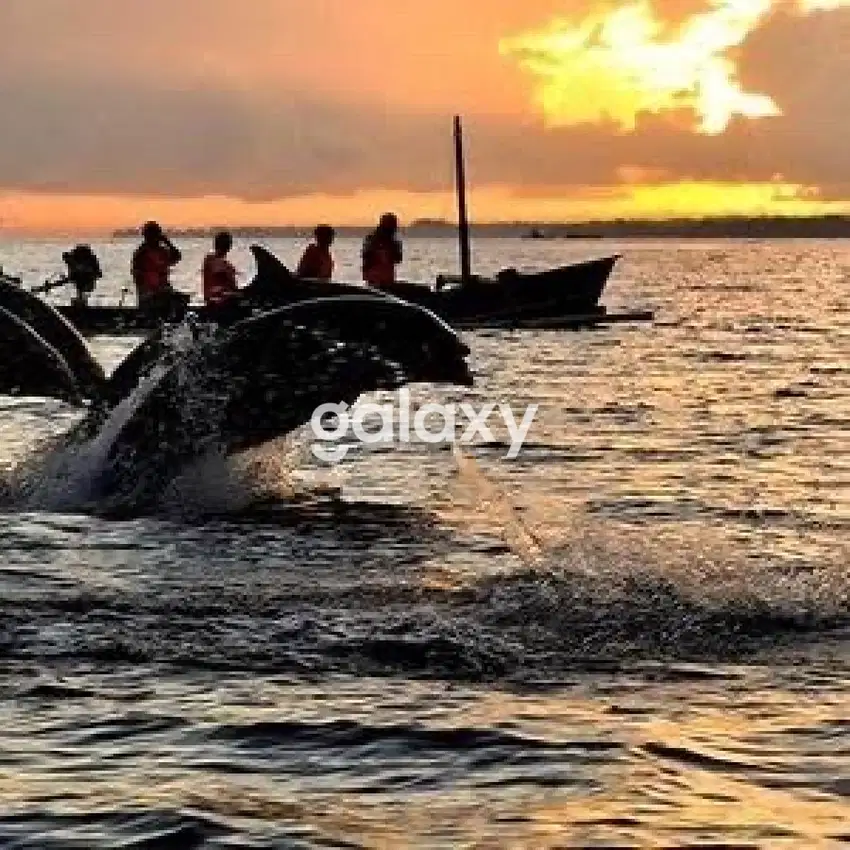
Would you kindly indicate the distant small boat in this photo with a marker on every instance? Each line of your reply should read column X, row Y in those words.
column 535, row 233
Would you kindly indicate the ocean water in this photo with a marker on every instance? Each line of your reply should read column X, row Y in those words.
column 636, row 633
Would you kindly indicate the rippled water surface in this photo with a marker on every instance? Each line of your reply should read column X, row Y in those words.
column 637, row 633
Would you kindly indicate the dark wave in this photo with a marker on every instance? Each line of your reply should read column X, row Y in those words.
column 142, row 830
column 522, row 626
column 353, row 734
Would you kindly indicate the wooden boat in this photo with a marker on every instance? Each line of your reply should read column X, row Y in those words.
column 478, row 302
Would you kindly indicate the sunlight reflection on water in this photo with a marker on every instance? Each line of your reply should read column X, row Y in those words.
column 637, row 632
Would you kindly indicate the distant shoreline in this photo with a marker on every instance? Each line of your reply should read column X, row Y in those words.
column 776, row 227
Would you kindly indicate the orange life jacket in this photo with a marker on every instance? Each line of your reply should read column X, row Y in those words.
column 379, row 263
column 152, row 269
column 317, row 262
column 219, row 279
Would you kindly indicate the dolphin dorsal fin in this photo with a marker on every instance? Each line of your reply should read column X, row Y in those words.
column 268, row 265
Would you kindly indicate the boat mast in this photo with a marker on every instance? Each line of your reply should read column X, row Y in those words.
column 463, row 219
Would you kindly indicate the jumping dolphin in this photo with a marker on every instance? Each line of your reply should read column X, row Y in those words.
column 263, row 377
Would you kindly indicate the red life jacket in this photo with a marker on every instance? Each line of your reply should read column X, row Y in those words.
column 219, row 279
column 152, row 269
column 378, row 262
column 317, row 263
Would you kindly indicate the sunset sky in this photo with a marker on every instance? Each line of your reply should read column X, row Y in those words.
column 292, row 111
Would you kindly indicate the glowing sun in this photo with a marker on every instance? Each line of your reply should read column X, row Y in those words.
column 614, row 64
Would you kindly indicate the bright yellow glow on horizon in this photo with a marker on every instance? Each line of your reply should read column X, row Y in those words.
column 615, row 64
column 674, row 200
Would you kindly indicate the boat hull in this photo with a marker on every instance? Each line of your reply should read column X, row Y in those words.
column 511, row 296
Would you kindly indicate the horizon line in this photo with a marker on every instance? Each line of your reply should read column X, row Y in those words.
column 424, row 223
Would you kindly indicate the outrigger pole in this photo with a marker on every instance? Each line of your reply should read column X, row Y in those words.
column 463, row 219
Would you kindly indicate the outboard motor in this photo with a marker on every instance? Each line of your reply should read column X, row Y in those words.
column 83, row 272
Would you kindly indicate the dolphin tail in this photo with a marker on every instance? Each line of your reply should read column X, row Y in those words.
column 30, row 366
column 59, row 335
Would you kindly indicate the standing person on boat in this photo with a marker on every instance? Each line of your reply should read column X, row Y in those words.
column 219, row 274
column 151, row 270
column 317, row 261
column 382, row 252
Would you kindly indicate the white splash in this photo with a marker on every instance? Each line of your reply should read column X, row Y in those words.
column 63, row 476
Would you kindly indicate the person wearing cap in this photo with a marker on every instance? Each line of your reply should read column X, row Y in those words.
column 151, row 267
column 382, row 252
column 317, row 261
